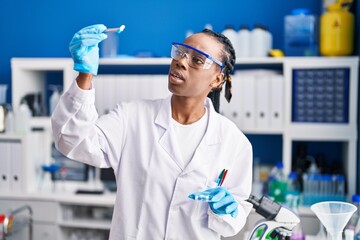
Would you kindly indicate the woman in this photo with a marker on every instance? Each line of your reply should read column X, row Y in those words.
column 162, row 151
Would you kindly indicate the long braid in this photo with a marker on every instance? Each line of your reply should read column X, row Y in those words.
column 228, row 59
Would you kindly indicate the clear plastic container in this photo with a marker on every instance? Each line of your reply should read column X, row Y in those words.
column 354, row 222
column 293, row 184
column 3, row 89
column 301, row 34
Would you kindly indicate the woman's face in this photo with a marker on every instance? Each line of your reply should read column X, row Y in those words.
column 187, row 81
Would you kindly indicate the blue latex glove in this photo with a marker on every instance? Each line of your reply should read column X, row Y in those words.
column 219, row 199
column 84, row 48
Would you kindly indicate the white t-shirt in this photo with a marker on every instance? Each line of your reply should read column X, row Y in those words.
column 189, row 136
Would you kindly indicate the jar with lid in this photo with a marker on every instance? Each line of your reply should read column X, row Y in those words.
column 300, row 38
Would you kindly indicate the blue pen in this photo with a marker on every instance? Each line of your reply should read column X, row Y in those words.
column 219, row 180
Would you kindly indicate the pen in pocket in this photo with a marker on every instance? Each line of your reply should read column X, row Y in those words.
column 221, row 177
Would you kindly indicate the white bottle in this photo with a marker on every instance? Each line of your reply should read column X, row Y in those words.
column 231, row 34
column 189, row 33
column 259, row 39
column 10, row 122
column 54, row 99
column 243, row 48
column 208, row 26
column 269, row 40
column 22, row 118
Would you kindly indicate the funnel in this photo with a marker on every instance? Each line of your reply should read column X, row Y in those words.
column 334, row 216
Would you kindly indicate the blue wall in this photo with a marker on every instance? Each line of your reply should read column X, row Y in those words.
column 44, row 28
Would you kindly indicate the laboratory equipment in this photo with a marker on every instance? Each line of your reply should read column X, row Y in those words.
column 117, row 30
column 243, row 44
column 260, row 41
column 354, row 223
column 107, row 177
column 334, row 216
column 280, row 221
column 3, row 110
column 300, row 33
column 15, row 221
column 3, row 89
column 278, row 184
column 219, row 199
column 109, row 48
column 9, row 121
column 337, row 29
column 2, row 117
column 22, row 118
column 54, row 98
column 231, row 34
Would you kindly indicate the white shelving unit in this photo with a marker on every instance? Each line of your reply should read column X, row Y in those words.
column 325, row 132
column 28, row 75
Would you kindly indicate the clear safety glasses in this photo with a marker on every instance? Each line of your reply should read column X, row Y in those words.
column 195, row 58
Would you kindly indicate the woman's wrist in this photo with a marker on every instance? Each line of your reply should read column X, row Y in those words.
column 84, row 80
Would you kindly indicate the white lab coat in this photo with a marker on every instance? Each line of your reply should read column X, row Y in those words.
column 136, row 140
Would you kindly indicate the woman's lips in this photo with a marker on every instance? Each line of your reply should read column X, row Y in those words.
column 176, row 77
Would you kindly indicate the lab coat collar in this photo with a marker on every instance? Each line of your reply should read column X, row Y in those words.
column 213, row 133
column 167, row 138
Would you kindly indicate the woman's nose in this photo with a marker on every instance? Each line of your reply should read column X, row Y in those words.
column 184, row 60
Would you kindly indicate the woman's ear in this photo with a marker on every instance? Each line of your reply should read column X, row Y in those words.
column 218, row 80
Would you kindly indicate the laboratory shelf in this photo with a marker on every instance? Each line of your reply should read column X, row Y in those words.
column 143, row 75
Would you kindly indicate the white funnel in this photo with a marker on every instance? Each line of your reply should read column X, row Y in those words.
column 334, row 216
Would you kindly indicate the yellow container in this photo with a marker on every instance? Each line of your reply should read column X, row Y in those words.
column 336, row 31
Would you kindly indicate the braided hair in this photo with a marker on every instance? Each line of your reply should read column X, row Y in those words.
column 228, row 59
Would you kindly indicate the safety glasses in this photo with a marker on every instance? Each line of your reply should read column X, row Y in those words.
column 195, row 58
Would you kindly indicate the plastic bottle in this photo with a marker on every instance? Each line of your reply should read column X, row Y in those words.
column 208, row 26
column 297, row 232
column 337, row 31
column 354, row 222
column 243, row 48
column 231, row 34
column 22, row 118
column 10, row 121
column 189, row 33
column 277, row 185
column 300, row 33
column 259, row 42
column 54, row 98
column 293, row 185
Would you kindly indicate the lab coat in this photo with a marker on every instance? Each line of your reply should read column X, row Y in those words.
column 136, row 139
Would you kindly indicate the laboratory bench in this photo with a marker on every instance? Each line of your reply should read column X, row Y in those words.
column 60, row 215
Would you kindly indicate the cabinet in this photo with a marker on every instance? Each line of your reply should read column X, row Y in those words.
column 21, row 159
column 28, row 75
column 58, row 216
column 43, row 221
